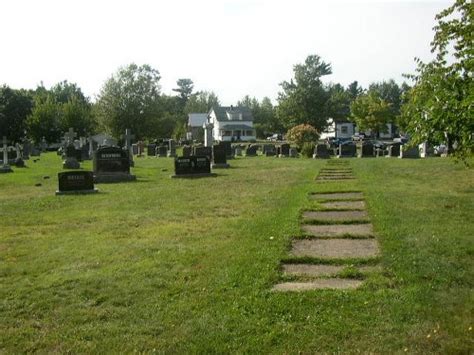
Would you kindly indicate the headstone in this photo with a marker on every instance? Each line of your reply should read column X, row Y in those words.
column 227, row 148
column 193, row 166
column 270, row 150
column 5, row 168
column 171, row 148
column 151, row 150
column 285, row 150
column 187, row 151
column 141, row 148
column 423, row 149
column 411, row 152
column 128, row 136
column 278, row 151
column 266, row 147
column 35, row 152
column 71, row 161
column 393, row 150
column 293, row 153
column 44, row 144
column 69, row 136
column 135, row 149
column 76, row 182
column 19, row 163
column 219, row 156
column 162, row 151
column 26, row 149
column 251, row 150
column 320, row 151
column 208, row 138
column 85, row 152
column 365, row 149
column 238, row 151
column 112, row 164
column 203, row 151
column 346, row 150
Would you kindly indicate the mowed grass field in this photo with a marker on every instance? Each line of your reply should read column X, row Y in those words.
column 187, row 266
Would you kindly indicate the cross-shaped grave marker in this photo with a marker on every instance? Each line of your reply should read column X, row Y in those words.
column 128, row 138
column 5, row 168
column 70, row 135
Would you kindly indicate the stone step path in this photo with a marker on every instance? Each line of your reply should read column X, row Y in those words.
column 338, row 237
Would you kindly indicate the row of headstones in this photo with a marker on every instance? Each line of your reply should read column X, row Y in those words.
column 369, row 150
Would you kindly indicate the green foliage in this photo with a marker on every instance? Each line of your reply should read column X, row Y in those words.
column 301, row 134
column 44, row 120
column 15, row 106
column 201, row 102
column 390, row 92
column 370, row 112
column 185, row 89
column 307, row 149
column 130, row 99
column 265, row 120
column 304, row 99
column 440, row 106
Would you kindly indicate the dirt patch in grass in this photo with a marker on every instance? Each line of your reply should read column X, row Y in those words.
column 339, row 230
column 322, row 284
column 335, row 248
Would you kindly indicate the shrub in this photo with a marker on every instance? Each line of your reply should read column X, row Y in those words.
column 303, row 133
column 307, row 149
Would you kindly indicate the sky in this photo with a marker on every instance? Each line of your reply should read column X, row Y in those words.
column 232, row 47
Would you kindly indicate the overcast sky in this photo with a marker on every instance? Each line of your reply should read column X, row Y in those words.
column 232, row 47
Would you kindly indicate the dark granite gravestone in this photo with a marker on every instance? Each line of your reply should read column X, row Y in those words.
column 320, row 151
column 393, row 150
column 192, row 167
column 293, row 153
column 365, row 149
column 203, row 151
column 187, row 150
column 71, row 161
column 162, row 151
column 409, row 152
column 135, row 149
column 76, row 182
column 346, row 150
column 251, row 150
column 269, row 150
column 151, row 150
column 227, row 148
column 171, row 148
column 278, row 151
column 112, row 164
column 285, row 150
column 26, row 149
column 85, row 153
column 219, row 156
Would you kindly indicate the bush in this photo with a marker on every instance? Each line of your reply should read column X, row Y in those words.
column 303, row 133
column 307, row 149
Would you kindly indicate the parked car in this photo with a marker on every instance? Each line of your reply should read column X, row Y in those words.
column 440, row 149
column 359, row 136
column 275, row 137
column 334, row 142
column 401, row 139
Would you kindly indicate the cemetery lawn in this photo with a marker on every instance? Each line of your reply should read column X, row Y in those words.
column 186, row 266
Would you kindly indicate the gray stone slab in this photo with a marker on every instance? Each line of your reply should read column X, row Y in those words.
column 311, row 270
column 335, row 248
column 339, row 230
column 335, row 215
column 337, row 196
column 323, row 284
column 354, row 205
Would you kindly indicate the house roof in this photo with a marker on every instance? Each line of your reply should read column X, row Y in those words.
column 222, row 113
column 197, row 119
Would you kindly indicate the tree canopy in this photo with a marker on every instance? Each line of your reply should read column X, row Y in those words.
column 440, row 106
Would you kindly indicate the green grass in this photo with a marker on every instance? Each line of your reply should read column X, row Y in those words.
column 178, row 265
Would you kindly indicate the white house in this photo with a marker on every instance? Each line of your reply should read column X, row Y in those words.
column 231, row 124
column 346, row 129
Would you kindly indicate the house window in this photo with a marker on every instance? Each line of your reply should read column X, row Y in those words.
column 344, row 129
column 227, row 133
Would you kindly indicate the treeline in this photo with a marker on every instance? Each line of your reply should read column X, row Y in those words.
column 132, row 98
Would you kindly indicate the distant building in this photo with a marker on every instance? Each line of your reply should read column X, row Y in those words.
column 345, row 129
column 231, row 123
column 195, row 126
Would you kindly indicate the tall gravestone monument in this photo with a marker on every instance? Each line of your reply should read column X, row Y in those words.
column 5, row 168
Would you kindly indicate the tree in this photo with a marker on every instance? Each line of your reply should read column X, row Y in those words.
column 354, row 90
column 15, row 106
column 44, row 120
column 301, row 134
column 338, row 105
column 304, row 98
column 440, row 106
column 201, row 102
column 185, row 89
column 390, row 92
column 77, row 114
column 130, row 99
column 370, row 112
